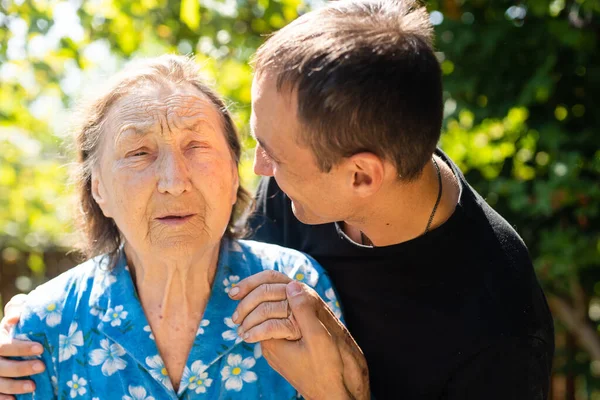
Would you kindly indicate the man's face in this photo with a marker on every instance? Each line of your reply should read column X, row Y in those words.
column 317, row 197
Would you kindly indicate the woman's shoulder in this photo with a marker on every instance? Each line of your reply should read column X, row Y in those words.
column 54, row 303
column 293, row 263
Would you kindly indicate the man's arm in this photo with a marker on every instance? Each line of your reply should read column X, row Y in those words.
column 512, row 368
column 10, row 347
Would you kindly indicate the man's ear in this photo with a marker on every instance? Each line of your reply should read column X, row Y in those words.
column 99, row 193
column 368, row 173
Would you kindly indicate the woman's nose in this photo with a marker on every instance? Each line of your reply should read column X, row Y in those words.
column 262, row 166
column 174, row 174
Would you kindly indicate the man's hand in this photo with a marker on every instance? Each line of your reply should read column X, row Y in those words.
column 16, row 348
column 300, row 337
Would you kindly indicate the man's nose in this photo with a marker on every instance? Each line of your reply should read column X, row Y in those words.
column 262, row 165
column 174, row 174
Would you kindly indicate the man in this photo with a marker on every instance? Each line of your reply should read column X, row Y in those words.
column 437, row 289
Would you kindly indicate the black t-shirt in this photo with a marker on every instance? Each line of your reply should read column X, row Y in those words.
column 454, row 314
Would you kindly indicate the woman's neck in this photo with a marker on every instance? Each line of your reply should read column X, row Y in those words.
column 174, row 294
column 163, row 278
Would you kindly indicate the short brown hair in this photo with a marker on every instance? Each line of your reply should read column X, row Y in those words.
column 101, row 235
column 366, row 78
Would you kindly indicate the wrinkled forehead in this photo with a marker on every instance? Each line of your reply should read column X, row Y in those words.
column 163, row 110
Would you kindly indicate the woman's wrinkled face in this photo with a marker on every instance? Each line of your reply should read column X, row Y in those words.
column 166, row 174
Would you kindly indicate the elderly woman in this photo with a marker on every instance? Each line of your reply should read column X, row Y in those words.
column 149, row 316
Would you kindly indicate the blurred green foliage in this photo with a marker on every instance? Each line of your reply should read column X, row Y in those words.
column 521, row 81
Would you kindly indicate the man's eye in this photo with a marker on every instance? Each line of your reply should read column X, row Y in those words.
column 264, row 153
column 268, row 158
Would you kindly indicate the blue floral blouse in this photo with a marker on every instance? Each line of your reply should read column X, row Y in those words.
column 99, row 346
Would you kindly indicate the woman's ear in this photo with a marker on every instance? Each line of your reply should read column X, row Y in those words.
column 99, row 193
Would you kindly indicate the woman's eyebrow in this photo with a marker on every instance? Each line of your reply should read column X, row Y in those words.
column 133, row 131
column 196, row 126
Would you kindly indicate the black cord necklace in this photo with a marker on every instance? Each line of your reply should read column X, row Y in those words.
column 439, row 196
column 367, row 242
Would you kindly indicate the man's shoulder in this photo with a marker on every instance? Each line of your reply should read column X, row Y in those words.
column 506, row 289
column 483, row 226
column 494, row 232
column 516, row 300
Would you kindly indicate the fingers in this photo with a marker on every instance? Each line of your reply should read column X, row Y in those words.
column 322, row 330
column 273, row 329
column 264, row 311
column 247, row 285
column 308, row 310
column 263, row 293
column 18, row 348
column 12, row 386
column 17, row 369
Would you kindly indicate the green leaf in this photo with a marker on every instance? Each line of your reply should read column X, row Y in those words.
column 190, row 13
column 36, row 263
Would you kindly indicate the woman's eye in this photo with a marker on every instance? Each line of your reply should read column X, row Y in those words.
column 137, row 153
column 197, row 145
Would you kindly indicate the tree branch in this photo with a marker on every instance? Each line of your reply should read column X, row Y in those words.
column 576, row 324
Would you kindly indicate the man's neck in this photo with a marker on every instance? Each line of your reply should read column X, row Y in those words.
column 402, row 212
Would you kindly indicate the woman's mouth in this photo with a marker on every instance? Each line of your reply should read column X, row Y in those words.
column 175, row 219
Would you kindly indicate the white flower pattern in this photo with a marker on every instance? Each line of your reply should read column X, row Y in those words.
column 230, row 282
column 159, row 371
column 302, row 273
column 137, row 393
column 257, row 351
column 77, row 386
column 203, row 324
column 115, row 315
column 196, row 378
column 54, row 384
column 109, row 356
column 52, row 313
column 68, row 344
column 333, row 302
column 149, row 330
column 237, row 371
column 231, row 334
